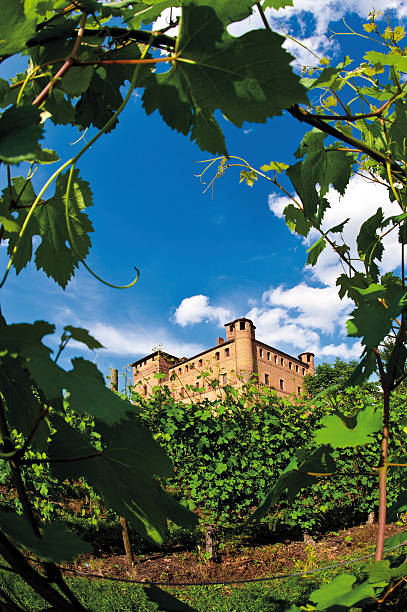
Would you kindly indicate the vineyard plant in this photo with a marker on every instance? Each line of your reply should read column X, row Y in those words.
column 79, row 56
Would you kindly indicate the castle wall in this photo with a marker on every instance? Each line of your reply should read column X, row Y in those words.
column 231, row 363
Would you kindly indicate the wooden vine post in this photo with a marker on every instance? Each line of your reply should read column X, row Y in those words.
column 114, row 385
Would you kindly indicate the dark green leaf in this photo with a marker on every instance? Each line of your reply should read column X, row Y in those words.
column 20, row 131
column 82, row 335
column 15, row 27
column 296, row 221
column 55, row 545
column 218, row 71
column 123, row 474
column 53, row 255
column 89, row 395
column 315, row 251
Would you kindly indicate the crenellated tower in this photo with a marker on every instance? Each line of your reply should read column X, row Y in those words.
column 241, row 331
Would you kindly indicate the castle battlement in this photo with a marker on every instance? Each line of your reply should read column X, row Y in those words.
column 231, row 361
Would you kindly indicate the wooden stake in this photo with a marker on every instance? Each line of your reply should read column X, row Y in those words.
column 126, row 541
column 114, row 385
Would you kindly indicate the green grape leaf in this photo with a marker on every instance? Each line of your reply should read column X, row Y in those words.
column 365, row 367
column 396, row 540
column 53, row 255
column 342, row 593
column 22, row 197
column 391, row 59
column 299, row 474
column 165, row 600
column 398, row 131
column 205, row 130
column 82, row 335
column 20, row 131
column 89, row 395
column 276, row 4
column 380, row 572
column 336, row 433
column 22, row 406
column 296, row 221
column 368, row 243
column 215, row 70
column 373, row 317
column 76, row 80
column 276, row 166
column 46, row 156
column 123, row 474
column 338, row 229
column 26, row 340
column 315, row 251
column 55, row 545
column 16, row 27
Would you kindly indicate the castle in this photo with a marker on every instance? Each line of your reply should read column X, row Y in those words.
column 232, row 361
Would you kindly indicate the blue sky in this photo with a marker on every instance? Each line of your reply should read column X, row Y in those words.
column 203, row 260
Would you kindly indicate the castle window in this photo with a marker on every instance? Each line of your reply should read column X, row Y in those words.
column 303, row 371
column 242, row 325
column 179, row 370
column 227, row 352
column 298, row 390
column 231, row 328
column 275, row 358
column 268, row 356
column 290, row 365
column 217, row 355
column 200, row 362
column 224, row 379
column 282, row 361
column 261, row 352
column 308, row 357
column 281, row 384
column 297, row 369
column 144, row 389
column 266, row 379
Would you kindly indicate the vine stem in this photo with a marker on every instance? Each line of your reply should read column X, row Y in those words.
column 42, row 96
column 382, row 470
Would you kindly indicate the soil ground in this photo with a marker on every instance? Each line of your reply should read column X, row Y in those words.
column 237, row 563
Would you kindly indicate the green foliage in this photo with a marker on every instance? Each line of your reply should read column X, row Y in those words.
column 68, row 419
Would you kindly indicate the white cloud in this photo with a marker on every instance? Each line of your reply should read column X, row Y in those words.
column 308, row 22
column 196, row 309
column 318, row 308
column 361, row 200
column 134, row 341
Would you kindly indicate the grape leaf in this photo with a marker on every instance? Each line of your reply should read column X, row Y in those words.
column 296, row 477
column 55, row 545
column 336, row 433
column 341, row 593
column 372, row 319
column 53, row 255
column 277, row 4
column 123, row 473
column 20, row 131
column 390, row 59
column 89, row 395
column 82, row 335
column 296, row 221
column 215, row 70
column 15, row 27
column 315, row 251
